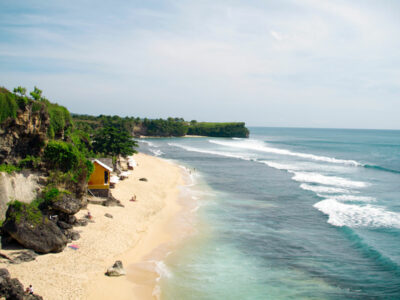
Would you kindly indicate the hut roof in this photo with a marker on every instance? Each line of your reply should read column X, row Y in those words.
column 105, row 163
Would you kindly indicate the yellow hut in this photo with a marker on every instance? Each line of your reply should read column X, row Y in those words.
column 99, row 181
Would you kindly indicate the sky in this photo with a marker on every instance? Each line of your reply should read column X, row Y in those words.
column 285, row 63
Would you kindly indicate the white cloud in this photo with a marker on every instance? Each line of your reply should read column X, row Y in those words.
column 183, row 55
column 276, row 35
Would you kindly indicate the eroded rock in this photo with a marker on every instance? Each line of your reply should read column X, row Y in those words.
column 67, row 205
column 116, row 270
column 12, row 289
column 38, row 234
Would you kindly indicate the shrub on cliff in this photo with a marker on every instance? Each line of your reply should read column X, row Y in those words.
column 75, row 168
column 61, row 155
column 60, row 119
column 8, row 105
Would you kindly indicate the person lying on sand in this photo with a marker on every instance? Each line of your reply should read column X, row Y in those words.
column 29, row 290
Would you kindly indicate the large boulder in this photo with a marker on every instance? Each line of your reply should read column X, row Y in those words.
column 12, row 289
column 32, row 230
column 67, row 204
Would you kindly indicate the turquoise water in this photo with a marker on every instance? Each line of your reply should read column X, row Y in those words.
column 289, row 214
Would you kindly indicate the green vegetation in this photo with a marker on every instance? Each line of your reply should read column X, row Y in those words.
column 218, row 129
column 23, row 211
column 30, row 162
column 112, row 141
column 49, row 196
column 160, row 127
column 9, row 168
column 67, row 158
column 169, row 127
column 66, row 155
column 61, row 155
column 8, row 105
column 60, row 120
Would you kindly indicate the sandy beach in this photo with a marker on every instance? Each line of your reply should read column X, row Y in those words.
column 139, row 234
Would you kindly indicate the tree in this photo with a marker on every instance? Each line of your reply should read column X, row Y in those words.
column 114, row 142
column 36, row 94
column 20, row 90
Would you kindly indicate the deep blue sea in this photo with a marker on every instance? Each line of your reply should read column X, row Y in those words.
column 288, row 214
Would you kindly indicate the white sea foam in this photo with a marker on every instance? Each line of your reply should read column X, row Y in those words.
column 163, row 272
column 148, row 143
column 341, row 214
column 156, row 152
column 219, row 153
column 324, row 189
column 162, row 269
column 260, row 146
column 280, row 166
column 327, row 180
column 349, row 198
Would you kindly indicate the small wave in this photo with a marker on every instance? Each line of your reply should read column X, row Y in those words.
column 225, row 154
column 148, row 143
column 280, row 166
column 349, row 198
column 327, row 180
column 361, row 244
column 260, row 146
column 323, row 189
column 156, row 152
column 381, row 169
column 351, row 215
column 162, row 269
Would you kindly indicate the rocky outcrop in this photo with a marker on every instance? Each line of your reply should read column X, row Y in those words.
column 72, row 235
column 24, row 135
column 112, row 201
column 67, row 205
column 23, row 186
column 116, row 270
column 42, row 236
column 12, row 289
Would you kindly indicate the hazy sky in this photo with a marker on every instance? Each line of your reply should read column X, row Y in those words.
column 308, row 63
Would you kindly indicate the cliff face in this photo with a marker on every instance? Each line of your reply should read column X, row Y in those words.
column 24, row 135
column 21, row 186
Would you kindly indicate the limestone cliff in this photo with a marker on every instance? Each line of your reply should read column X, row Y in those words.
column 24, row 135
column 22, row 186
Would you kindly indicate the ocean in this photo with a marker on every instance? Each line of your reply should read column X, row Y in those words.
column 288, row 214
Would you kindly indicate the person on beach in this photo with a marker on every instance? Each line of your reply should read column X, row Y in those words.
column 133, row 198
column 89, row 215
column 29, row 290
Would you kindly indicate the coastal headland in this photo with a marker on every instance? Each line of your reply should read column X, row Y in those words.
column 138, row 234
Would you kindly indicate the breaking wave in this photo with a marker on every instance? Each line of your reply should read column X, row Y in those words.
column 260, row 146
column 156, row 152
column 349, row 198
column 341, row 214
column 212, row 152
column 311, row 177
column 324, row 189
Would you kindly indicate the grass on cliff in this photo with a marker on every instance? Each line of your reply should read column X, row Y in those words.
column 25, row 212
column 8, row 105
column 9, row 168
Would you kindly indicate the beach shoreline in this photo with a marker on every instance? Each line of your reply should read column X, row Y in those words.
column 140, row 235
